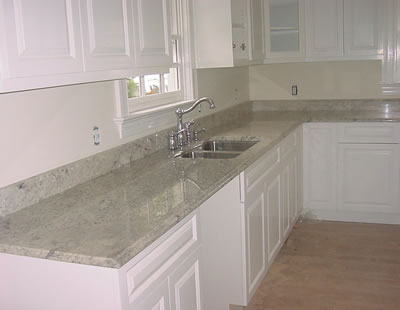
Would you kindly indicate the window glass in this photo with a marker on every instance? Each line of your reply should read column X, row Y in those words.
column 133, row 87
column 152, row 84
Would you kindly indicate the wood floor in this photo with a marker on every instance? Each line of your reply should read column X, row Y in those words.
column 334, row 265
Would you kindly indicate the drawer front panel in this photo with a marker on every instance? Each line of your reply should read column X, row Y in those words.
column 140, row 276
column 369, row 133
column 255, row 172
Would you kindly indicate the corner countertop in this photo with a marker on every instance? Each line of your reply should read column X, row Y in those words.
column 109, row 220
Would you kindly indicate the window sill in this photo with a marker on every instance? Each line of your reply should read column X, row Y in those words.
column 147, row 121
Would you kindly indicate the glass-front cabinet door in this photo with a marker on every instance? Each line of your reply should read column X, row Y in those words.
column 285, row 30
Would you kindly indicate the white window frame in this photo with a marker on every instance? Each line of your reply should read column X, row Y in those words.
column 153, row 112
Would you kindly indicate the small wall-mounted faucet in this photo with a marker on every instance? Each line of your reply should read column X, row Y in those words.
column 183, row 136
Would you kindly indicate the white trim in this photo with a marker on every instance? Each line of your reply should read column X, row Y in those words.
column 144, row 122
column 158, row 112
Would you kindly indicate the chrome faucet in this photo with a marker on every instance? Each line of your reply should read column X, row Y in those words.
column 183, row 130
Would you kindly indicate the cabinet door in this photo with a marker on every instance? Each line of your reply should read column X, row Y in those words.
column 284, row 29
column 255, row 235
column 369, row 178
column 40, row 38
column 156, row 298
column 185, row 284
column 257, row 31
column 240, row 30
column 273, row 209
column 106, row 34
column 285, row 200
column 324, row 35
column 292, row 167
column 319, row 166
column 363, row 27
column 152, row 33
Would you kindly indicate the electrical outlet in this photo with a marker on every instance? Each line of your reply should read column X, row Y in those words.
column 96, row 135
column 236, row 96
column 294, row 90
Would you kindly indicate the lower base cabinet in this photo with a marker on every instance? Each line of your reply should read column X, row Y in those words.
column 352, row 171
column 243, row 230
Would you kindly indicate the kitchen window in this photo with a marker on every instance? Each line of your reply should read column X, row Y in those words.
column 167, row 85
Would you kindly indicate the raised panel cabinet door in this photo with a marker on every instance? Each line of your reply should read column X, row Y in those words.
column 107, row 33
column 151, row 24
column 39, row 38
column 285, row 200
column 369, row 178
column 185, row 284
column 324, row 28
column 363, row 27
column 156, row 298
column 292, row 167
column 319, row 166
column 273, row 209
column 255, row 232
column 257, row 31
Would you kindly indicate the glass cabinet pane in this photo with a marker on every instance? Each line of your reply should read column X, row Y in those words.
column 284, row 25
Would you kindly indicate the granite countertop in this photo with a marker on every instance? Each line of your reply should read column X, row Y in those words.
column 109, row 220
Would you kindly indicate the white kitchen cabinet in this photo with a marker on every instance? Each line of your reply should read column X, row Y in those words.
column 324, row 28
column 352, row 171
column 256, row 235
column 273, row 215
column 165, row 275
column 185, row 284
column 320, row 166
column 221, row 33
column 284, row 22
column 107, row 29
column 368, row 178
column 257, row 31
column 152, row 34
column 363, row 27
column 38, row 39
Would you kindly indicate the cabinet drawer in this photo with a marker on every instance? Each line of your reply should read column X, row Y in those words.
column 157, row 262
column 368, row 133
column 255, row 172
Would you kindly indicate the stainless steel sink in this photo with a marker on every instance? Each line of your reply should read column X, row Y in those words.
column 227, row 145
column 218, row 149
column 209, row 154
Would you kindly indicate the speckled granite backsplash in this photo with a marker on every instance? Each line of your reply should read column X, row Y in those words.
column 33, row 190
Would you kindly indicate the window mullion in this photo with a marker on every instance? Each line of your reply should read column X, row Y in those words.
column 162, row 83
column 142, row 90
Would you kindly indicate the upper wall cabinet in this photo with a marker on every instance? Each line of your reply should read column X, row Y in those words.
column 324, row 35
column 344, row 29
column 363, row 27
column 106, row 31
column 228, row 32
column 221, row 33
column 257, row 31
column 284, row 30
column 38, row 38
column 152, row 34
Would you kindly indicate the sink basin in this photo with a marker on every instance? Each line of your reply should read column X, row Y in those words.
column 210, row 154
column 218, row 149
column 227, row 145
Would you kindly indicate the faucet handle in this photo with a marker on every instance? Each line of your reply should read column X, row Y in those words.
column 188, row 124
column 196, row 134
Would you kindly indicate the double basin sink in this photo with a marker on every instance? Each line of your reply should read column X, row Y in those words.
column 218, row 149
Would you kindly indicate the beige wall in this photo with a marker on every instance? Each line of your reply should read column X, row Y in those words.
column 317, row 80
column 44, row 129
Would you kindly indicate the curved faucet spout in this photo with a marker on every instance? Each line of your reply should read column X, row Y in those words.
column 181, row 111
